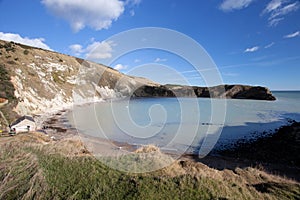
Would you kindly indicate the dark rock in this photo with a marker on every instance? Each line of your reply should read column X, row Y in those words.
column 281, row 147
column 221, row 91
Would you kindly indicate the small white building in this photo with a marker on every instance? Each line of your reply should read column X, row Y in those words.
column 23, row 124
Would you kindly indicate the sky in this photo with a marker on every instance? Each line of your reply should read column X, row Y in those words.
column 255, row 42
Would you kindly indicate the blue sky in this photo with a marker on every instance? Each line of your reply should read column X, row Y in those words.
column 254, row 42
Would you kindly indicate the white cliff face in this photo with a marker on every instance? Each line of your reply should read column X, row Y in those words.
column 46, row 81
column 43, row 80
column 107, row 93
column 49, row 96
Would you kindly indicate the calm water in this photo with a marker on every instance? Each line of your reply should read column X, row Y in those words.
column 196, row 125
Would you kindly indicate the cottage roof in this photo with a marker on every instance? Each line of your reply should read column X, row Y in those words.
column 23, row 118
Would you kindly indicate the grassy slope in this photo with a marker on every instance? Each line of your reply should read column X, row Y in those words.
column 31, row 166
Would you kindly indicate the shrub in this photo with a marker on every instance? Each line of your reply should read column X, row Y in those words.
column 9, row 47
column 26, row 52
column 56, row 78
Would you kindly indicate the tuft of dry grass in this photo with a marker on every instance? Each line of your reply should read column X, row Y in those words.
column 145, row 159
column 148, row 149
column 33, row 137
column 20, row 174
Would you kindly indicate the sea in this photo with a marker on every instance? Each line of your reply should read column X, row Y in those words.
column 185, row 125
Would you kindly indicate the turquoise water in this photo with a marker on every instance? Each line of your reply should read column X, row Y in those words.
column 185, row 124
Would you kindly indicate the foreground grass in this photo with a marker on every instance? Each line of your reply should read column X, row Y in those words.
column 30, row 169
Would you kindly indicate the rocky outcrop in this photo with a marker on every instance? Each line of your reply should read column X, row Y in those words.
column 221, row 91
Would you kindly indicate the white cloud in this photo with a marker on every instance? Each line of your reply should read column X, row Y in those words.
column 35, row 42
column 76, row 49
column 97, row 14
column 137, row 60
column 279, row 8
column 269, row 45
column 94, row 51
column 120, row 67
column 229, row 5
column 292, row 35
column 252, row 49
column 99, row 50
column 160, row 60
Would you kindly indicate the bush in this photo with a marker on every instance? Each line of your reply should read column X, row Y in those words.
column 56, row 78
column 8, row 47
column 26, row 52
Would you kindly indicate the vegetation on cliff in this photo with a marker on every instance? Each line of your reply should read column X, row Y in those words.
column 7, row 95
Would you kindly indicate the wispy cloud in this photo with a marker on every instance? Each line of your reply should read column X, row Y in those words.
column 133, row 2
column 269, row 45
column 252, row 49
column 273, row 5
column 94, row 51
column 258, row 62
column 230, row 5
column 132, row 13
column 230, row 74
column 35, row 42
column 260, row 58
column 277, row 9
column 292, row 35
column 274, row 22
column 189, row 71
column 285, row 10
column 197, row 71
column 269, row 63
column 160, row 60
column 120, row 67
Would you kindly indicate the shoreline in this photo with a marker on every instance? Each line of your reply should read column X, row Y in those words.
column 57, row 123
column 60, row 128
